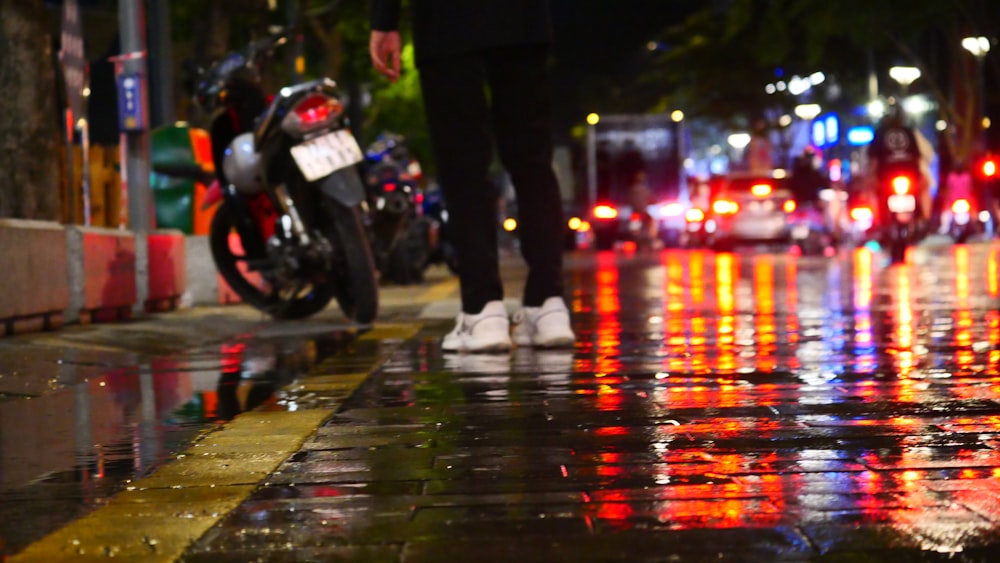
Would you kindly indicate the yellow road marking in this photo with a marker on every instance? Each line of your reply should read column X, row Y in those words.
column 158, row 517
column 439, row 291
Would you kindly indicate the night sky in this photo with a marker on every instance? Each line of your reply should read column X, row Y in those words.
column 598, row 43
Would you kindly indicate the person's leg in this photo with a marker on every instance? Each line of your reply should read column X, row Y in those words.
column 522, row 123
column 458, row 117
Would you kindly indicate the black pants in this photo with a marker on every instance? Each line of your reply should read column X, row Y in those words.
column 473, row 100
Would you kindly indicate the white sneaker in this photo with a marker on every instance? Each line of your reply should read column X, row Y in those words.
column 545, row 327
column 489, row 331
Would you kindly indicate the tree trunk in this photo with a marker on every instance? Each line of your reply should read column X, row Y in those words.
column 29, row 122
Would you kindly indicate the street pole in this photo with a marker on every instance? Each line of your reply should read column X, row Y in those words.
column 591, row 164
column 161, row 95
column 135, row 125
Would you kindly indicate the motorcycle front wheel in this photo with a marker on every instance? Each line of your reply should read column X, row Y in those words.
column 356, row 285
column 234, row 264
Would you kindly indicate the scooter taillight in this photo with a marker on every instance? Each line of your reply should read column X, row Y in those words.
column 901, row 184
column 312, row 112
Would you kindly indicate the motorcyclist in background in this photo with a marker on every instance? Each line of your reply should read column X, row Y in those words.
column 899, row 149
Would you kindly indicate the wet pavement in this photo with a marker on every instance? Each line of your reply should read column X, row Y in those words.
column 736, row 407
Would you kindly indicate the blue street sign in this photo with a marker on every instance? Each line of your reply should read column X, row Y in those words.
column 131, row 116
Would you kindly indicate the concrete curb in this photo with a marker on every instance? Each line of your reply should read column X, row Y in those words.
column 56, row 274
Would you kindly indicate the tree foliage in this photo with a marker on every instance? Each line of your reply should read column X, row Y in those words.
column 719, row 59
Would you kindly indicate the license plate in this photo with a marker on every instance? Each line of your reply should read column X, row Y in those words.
column 318, row 158
column 902, row 203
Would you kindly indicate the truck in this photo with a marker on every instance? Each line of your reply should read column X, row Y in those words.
column 636, row 158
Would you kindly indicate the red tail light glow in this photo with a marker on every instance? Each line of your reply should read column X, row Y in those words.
column 901, row 184
column 761, row 190
column 790, row 206
column 725, row 207
column 961, row 206
column 389, row 187
column 605, row 212
column 989, row 168
column 313, row 112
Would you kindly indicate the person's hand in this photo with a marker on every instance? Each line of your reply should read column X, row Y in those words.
column 384, row 48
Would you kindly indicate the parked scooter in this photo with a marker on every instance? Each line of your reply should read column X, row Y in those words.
column 288, row 236
column 442, row 248
column 398, row 235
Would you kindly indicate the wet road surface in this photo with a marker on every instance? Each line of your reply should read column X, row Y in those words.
column 737, row 407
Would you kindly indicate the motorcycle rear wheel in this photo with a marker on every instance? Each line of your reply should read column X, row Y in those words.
column 356, row 285
column 229, row 255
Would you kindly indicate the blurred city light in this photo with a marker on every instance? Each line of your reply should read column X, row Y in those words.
column 785, row 120
column 807, row 111
column 876, row 109
column 905, row 75
column 677, row 116
column 739, row 141
column 859, row 136
column 917, row 105
column 593, row 119
column 978, row 46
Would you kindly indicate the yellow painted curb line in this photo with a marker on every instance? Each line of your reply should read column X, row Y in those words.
column 439, row 291
column 157, row 518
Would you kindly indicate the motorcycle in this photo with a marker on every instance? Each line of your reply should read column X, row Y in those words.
column 398, row 235
column 435, row 213
column 903, row 222
column 288, row 235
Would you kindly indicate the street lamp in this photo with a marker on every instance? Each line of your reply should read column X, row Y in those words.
column 739, row 141
column 979, row 46
column 807, row 112
column 904, row 75
column 592, row 120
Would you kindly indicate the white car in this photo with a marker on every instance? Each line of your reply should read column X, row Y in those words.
column 754, row 208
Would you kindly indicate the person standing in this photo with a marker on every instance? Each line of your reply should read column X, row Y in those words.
column 483, row 76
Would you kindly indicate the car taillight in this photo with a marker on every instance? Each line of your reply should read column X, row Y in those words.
column 312, row 112
column 694, row 215
column 789, row 206
column 725, row 207
column 901, row 184
column 961, row 206
column 388, row 187
column 861, row 214
column 605, row 212
column 761, row 190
